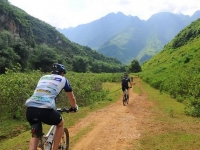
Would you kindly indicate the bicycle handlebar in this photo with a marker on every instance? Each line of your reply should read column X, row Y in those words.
column 63, row 110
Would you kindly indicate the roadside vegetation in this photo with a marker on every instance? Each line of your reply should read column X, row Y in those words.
column 92, row 91
column 168, row 127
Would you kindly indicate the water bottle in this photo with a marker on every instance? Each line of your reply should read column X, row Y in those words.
column 49, row 142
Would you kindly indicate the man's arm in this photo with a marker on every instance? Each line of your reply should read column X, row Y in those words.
column 130, row 83
column 72, row 98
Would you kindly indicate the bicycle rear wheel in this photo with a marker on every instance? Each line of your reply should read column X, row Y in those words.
column 64, row 143
column 41, row 145
column 124, row 100
column 127, row 100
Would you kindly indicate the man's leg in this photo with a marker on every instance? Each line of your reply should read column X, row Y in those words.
column 58, row 135
column 33, row 143
column 123, row 91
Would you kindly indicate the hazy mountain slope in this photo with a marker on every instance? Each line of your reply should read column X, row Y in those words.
column 126, row 43
column 150, row 37
column 98, row 31
column 162, row 27
column 147, row 39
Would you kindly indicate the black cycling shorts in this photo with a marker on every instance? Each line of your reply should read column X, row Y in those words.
column 124, row 88
column 47, row 116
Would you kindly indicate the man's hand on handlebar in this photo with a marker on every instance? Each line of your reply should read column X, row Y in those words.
column 73, row 109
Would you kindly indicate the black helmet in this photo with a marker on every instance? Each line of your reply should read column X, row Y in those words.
column 58, row 68
column 125, row 74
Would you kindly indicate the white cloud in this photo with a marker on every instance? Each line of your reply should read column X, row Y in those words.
column 67, row 13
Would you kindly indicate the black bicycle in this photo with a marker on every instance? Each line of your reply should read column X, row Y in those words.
column 126, row 97
column 46, row 141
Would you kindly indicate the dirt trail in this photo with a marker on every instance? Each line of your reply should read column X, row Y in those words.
column 115, row 127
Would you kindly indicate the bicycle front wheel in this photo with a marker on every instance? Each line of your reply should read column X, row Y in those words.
column 64, row 143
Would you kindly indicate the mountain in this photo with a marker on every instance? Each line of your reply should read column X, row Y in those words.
column 97, row 32
column 34, row 44
column 126, row 37
column 176, row 68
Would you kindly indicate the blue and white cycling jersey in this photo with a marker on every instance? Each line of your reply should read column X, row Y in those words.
column 47, row 90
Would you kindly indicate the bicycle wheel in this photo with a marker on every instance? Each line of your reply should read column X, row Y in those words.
column 64, row 143
column 41, row 145
column 125, row 100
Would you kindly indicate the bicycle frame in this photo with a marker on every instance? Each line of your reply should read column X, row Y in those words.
column 46, row 139
column 126, row 91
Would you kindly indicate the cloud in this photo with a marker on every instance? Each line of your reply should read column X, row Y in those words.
column 67, row 13
column 125, row 2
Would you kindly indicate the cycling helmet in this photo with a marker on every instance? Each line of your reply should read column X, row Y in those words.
column 125, row 74
column 58, row 68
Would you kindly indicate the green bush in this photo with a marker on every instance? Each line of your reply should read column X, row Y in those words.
column 16, row 87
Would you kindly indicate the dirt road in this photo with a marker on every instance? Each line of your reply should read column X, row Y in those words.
column 115, row 127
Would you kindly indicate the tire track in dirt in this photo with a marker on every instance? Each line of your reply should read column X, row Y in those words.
column 115, row 127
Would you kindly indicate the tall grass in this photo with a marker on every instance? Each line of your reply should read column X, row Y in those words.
column 168, row 128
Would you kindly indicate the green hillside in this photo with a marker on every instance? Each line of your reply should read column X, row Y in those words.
column 35, row 44
column 176, row 69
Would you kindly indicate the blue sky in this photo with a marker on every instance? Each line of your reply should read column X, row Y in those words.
column 71, row 13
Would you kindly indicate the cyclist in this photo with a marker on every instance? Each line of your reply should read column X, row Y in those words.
column 124, row 83
column 41, row 105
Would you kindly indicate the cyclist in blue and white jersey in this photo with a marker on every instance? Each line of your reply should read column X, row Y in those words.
column 41, row 105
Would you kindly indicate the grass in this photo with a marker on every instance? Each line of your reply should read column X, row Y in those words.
column 169, row 128
column 80, row 134
column 21, row 141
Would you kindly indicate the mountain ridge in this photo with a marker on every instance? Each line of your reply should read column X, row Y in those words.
column 155, row 32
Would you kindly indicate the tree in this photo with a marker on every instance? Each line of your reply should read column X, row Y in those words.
column 44, row 57
column 8, row 57
column 24, row 51
column 81, row 64
column 134, row 66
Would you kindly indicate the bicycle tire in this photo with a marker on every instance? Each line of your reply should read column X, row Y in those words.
column 127, row 101
column 40, row 146
column 64, row 143
column 124, row 100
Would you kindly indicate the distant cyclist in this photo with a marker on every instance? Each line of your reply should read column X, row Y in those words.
column 125, row 82
column 41, row 105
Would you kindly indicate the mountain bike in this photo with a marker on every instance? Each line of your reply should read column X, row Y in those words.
column 126, row 97
column 46, row 140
